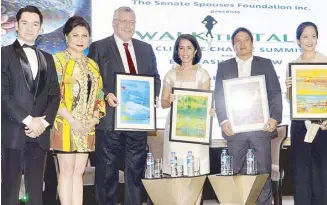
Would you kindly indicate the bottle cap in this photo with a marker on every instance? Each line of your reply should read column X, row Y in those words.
column 149, row 154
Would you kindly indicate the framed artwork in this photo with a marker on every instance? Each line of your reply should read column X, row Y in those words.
column 190, row 120
column 136, row 110
column 308, row 93
column 246, row 103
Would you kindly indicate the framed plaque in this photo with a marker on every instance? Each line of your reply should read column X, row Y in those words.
column 246, row 103
column 136, row 108
column 308, row 93
column 189, row 116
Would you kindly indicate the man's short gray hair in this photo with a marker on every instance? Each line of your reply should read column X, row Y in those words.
column 122, row 9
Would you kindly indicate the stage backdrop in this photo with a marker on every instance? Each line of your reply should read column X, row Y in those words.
column 55, row 14
column 273, row 23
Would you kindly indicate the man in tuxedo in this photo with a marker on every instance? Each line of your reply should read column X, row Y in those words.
column 120, row 53
column 245, row 65
column 29, row 102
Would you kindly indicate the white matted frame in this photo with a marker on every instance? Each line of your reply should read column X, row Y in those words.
column 195, row 125
column 246, row 103
column 136, row 108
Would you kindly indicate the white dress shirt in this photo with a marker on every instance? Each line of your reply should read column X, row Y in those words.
column 31, row 57
column 33, row 62
column 123, row 56
column 244, row 67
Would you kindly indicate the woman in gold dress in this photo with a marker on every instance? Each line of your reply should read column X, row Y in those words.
column 81, row 107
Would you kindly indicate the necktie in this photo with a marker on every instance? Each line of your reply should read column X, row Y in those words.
column 28, row 46
column 129, row 59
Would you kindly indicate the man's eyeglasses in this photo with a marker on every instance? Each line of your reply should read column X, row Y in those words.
column 125, row 22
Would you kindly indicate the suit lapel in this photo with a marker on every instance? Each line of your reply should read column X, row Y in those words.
column 115, row 51
column 138, row 57
column 233, row 69
column 42, row 72
column 255, row 66
column 26, row 68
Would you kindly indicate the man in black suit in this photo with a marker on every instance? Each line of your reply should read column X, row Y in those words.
column 120, row 53
column 29, row 102
column 245, row 65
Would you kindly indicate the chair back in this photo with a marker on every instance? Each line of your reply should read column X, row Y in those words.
column 277, row 143
column 276, row 170
column 156, row 143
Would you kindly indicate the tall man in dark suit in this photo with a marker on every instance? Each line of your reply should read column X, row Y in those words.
column 120, row 53
column 244, row 65
column 29, row 102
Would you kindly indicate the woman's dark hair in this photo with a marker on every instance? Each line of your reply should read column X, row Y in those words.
column 75, row 21
column 30, row 9
column 241, row 29
column 194, row 42
column 302, row 26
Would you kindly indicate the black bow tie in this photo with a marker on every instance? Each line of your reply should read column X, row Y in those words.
column 28, row 46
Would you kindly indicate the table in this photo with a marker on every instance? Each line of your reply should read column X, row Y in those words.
column 238, row 189
column 175, row 191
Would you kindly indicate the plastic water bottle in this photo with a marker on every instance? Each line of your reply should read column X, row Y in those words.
column 173, row 165
column 250, row 160
column 190, row 164
column 149, row 172
column 224, row 163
